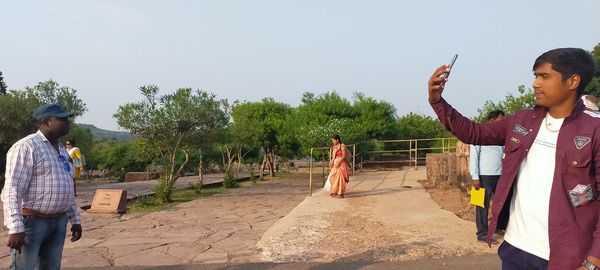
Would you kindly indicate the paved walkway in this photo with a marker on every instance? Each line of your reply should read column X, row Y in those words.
column 386, row 216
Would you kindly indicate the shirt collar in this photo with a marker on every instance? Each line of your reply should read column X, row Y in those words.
column 43, row 137
column 39, row 133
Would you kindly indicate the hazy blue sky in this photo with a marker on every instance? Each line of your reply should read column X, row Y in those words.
column 249, row 50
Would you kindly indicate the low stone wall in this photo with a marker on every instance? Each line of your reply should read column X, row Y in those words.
column 441, row 169
column 451, row 169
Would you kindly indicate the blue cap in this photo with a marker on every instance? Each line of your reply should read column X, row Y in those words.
column 50, row 110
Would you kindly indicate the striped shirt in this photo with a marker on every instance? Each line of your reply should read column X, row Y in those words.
column 39, row 179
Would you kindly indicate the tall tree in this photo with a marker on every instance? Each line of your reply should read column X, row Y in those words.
column 171, row 126
column 16, row 111
column 261, row 124
column 594, row 86
column 3, row 88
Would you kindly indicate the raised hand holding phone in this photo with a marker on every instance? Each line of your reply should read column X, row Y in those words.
column 438, row 79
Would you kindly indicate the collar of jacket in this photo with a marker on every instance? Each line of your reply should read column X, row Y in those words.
column 579, row 108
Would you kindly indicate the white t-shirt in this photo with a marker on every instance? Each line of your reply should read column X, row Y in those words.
column 528, row 224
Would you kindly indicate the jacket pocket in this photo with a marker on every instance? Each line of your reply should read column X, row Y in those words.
column 511, row 154
column 578, row 168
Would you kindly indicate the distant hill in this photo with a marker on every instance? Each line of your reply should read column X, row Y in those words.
column 108, row 135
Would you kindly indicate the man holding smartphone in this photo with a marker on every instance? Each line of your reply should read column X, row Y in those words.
column 547, row 195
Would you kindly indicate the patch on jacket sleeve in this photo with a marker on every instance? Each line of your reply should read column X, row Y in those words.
column 582, row 141
column 520, row 129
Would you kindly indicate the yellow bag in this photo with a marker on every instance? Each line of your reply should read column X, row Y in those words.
column 478, row 197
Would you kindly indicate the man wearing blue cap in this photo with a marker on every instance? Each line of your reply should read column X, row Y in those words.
column 38, row 194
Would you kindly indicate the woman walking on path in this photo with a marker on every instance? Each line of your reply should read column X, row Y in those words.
column 338, row 175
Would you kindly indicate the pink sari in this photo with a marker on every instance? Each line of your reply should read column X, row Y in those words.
column 338, row 176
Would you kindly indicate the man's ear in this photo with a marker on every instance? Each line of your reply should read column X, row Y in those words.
column 573, row 82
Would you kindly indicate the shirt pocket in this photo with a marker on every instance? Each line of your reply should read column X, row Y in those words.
column 510, row 155
column 578, row 168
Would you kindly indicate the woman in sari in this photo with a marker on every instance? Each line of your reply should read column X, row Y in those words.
column 339, row 173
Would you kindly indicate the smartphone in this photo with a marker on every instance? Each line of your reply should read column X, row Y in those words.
column 451, row 64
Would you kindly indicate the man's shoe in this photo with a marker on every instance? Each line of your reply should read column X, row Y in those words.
column 484, row 239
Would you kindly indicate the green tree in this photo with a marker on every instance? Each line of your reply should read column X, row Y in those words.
column 511, row 103
column 594, row 86
column 376, row 118
column 415, row 126
column 261, row 125
column 318, row 118
column 171, row 126
column 16, row 111
column 3, row 88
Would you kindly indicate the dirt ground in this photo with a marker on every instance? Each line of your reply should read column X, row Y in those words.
column 454, row 200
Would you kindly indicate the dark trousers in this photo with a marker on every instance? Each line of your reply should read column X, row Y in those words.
column 488, row 182
column 516, row 259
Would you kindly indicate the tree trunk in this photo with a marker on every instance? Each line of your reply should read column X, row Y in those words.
column 262, row 166
column 239, row 157
column 271, row 163
column 200, row 173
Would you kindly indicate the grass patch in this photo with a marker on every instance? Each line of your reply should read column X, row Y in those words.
column 148, row 203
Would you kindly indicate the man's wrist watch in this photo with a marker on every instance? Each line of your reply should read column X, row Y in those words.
column 590, row 266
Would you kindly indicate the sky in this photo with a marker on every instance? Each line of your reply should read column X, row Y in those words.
column 249, row 50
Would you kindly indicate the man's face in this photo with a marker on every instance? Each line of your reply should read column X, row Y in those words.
column 549, row 87
column 59, row 125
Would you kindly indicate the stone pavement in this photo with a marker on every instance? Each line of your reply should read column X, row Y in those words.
column 221, row 228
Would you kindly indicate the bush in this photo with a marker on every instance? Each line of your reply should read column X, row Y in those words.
column 230, row 181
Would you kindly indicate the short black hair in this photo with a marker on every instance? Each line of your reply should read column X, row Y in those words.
column 568, row 62
column 494, row 114
column 336, row 137
column 40, row 122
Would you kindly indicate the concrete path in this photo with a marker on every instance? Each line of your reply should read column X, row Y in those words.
column 386, row 216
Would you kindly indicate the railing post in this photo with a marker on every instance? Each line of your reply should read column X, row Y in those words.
column 353, row 159
column 410, row 149
column 416, row 153
column 310, row 162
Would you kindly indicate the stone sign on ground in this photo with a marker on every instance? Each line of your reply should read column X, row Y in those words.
column 109, row 201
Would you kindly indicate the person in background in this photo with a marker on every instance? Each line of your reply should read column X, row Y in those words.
column 338, row 176
column 485, row 166
column 76, row 158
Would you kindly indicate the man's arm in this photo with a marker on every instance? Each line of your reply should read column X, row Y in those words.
column 492, row 133
column 75, row 219
column 20, row 164
column 474, row 162
column 594, row 252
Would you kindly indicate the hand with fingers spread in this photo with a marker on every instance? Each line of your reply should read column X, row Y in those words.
column 436, row 83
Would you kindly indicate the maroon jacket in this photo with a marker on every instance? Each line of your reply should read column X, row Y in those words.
column 574, row 232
